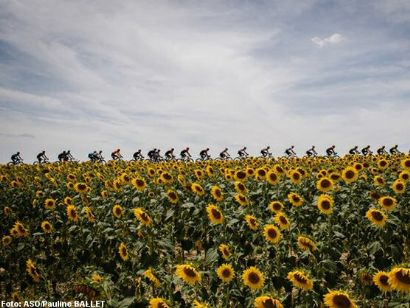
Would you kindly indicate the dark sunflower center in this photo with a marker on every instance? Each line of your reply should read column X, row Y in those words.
column 283, row 220
column 325, row 204
column 144, row 216
column 269, row 303
column 403, row 277
column 161, row 305
column 300, row 278
column 47, row 227
column 226, row 273
column 377, row 215
column 383, row 163
column 140, row 183
column 218, row 193
column 254, row 278
column 172, row 195
column 242, row 198
column 350, row 174
column 273, row 177
column 252, row 221
column 241, row 187
column 189, row 272
column 387, row 202
column 384, row 280
column 118, row 211
column 225, row 252
column 407, row 163
column 341, row 300
column 405, row 176
column 295, row 198
column 296, row 176
column 216, row 214
column 272, row 233
column 399, row 186
column 124, row 251
column 167, row 176
column 81, row 186
column 241, row 175
column 261, row 172
column 277, row 206
column 325, row 183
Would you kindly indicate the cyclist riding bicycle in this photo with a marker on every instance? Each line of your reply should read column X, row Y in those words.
column 311, row 152
column 366, row 150
column 242, row 153
column 354, row 150
column 290, row 152
column 116, row 155
column 69, row 156
column 41, row 157
column 224, row 154
column 137, row 155
column 394, row 150
column 204, row 154
column 62, row 156
column 170, row 154
column 16, row 158
column 382, row 150
column 185, row 154
column 93, row 156
column 265, row 152
column 331, row 151
column 152, row 154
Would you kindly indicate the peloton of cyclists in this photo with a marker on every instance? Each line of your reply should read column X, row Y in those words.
column 311, row 152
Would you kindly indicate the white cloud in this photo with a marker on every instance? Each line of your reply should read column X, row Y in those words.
column 333, row 39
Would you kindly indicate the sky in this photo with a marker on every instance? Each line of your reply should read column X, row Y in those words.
column 100, row 75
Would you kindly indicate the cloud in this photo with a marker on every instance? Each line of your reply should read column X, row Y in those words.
column 333, row 39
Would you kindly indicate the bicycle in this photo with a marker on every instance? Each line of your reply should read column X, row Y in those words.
column 16, row 162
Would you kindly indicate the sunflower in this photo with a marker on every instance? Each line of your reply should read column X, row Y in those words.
column 300, row 279
column 273, row 177
column 272, row 234
column 376, row 217
column 81, row 188
column 252, row 222
column 241, row 199
column 166, row 178
column 253, row 278
column 215, row 215
column 172, row 196
column 295, row 176
column 6, row 240
column 225, row 251
column 209, row 170
column 405, row 163
column 378, row 181
column 325, row 204
column 260, row 174
column 19, row 230
column 306, row 243
column 89, row 214
column 72, row 213
column 382, row 164
column 47, row 227
column 225, row 272
column 142, row 216
column 95, row 277
column 39, row 193
column 197, row 304
column 68, row 201
column 50, row 204
column 350, row 175
column 388, row 203
column 197, row 189
column 381, row 280
column 151, row 277
column 399, row 279
column 240, row 175
column 404, row 176
column 240, row 187
column 275, row 206
column 216, row 193
column 338, row 299
column 122, row 250
column 398, row 186
column 139, row 184
column 158, row 302
column 295, row 199
column 267, row 302
column 325, row 184
column 32, row 270
column 117, row 211
column 279, row 170
column 282, row 221
column 70, row 185
column 188, row 274
column 181, row 179
column 250, row 171
column 116, row 184
column 70, row 177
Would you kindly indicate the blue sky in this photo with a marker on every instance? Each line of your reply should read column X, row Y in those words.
column 85, row 75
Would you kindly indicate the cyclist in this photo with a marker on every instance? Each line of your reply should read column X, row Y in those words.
column 224, row 154
column 265, row 152
column 137, row 155
column 311, row 151
column 242, row 153
column 41, row 157
column 169, row 155
column 354, row 150
column 16, row 158
column 62, row 156
column 204, row 154
column 331, row 151
column 394, row 150
column 366, row 150
column 185, row 154
column 116, row 155
column 382, row 150
column 69, row 156
column 152, row 153
column 290, row 152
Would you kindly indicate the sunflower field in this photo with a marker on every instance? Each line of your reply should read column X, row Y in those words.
column 300, row 232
